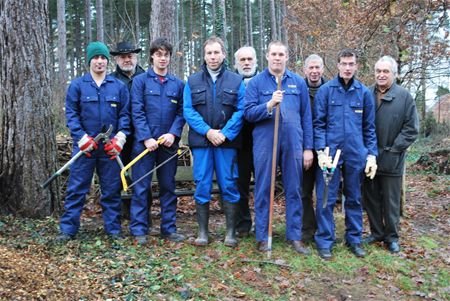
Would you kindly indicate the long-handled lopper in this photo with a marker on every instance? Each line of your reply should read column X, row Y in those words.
column 119, row 161
column 274, row 169
column 74, row 158
column 328, row 174
column 178, row 153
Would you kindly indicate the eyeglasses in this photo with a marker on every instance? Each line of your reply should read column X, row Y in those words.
column 160, row 55
column 348, row 64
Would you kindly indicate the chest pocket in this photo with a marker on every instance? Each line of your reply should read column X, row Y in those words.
column 230, row 97
column 198, row 96
column 152, row 92
column 266, row 95
column 357, row 108
column 173, row 97
column 113, row 101
column 87, row 99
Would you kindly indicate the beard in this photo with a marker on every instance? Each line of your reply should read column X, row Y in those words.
column 127, row 68
column 246, row 73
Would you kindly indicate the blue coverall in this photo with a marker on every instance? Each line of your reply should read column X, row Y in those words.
column 157, row 109
column 343, row 119
column 90, row 110
column 295, row 135
column 207, row 105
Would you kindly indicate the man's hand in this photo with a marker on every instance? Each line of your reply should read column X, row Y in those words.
column 308, row 158
column 115, row 146
column 277, row 98
column 324, row 160
column 371, row 166
column 215, row 137
column 167, row 139
column 86, row 144
column 151, row 144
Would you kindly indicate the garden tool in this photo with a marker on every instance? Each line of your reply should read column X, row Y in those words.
column 74, row 158
column 328, row 174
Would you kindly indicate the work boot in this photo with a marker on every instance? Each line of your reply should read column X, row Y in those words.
column 202, row 220
column 299, row 247
column 230, row 210
column 356, row 249
column 63, row 238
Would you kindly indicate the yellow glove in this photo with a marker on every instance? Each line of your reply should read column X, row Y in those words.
column 371, row 166
column 324, row 159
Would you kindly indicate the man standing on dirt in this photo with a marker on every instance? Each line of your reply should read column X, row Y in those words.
column 344, row 118
column 127, row 68
column 294, row 146
column 246, row 65
column 313, row 70
column 157, row 110
column 213, row 108
column 93, row 103
column 397, row 127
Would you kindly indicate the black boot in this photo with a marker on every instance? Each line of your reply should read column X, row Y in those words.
column 230, row 211
column 202, row 220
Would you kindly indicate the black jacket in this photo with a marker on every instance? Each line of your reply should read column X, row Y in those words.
column 397, row 127
column 125, row 79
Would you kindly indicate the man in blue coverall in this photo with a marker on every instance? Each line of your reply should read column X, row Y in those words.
column 213, row 108
column 157, row 110
column 93, row 102
column 295, row 142
column 344, row 118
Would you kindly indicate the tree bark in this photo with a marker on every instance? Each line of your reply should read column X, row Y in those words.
column 273, row 20
column 261, row 34
column 88, row 21
column 100, row 32
column 162, row 20
column 224, row 23
column 137, row 22
column 28, row 148
column 62, row 46
column 250, row 23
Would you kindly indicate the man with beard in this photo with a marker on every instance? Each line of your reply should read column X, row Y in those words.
column 246, row 65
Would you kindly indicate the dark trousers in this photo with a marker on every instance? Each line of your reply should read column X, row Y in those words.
column 245, row 167
column 309, row 217
column 382, row 204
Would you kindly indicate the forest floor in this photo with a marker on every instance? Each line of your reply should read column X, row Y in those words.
column 91, row 267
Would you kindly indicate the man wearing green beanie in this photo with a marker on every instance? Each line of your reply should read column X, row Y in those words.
column 95, row 101
column 96, row 48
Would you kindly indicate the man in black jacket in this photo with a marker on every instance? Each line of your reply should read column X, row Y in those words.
column 397, row 127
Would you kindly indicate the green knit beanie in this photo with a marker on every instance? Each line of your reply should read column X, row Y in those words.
column 96, row 48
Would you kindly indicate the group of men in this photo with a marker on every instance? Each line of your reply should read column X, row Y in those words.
column 231, row 118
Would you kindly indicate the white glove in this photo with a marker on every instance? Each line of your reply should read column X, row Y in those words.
column 87, row 144
column 371, row 166
column 324, row 160
column 115, row 146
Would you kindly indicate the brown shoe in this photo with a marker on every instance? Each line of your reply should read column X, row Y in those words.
column 299, row 247
column 263, row 246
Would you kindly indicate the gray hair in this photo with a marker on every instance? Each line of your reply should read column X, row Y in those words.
column 252, row 50
column 392, row 61
column 313, row 57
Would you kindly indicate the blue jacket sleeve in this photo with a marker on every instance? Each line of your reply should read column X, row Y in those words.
column 320, row 118
column 234, row 124
column 306, row 118
column 369, row 136
column 193, row 118
column 73, row 111
column 124, row 114
column 254, row 111
column 141, row 128
column 178, row 122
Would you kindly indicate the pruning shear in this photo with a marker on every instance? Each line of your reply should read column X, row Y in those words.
column 328, row 174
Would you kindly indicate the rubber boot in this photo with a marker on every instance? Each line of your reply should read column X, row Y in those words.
column 230, row 210
column 202, row 220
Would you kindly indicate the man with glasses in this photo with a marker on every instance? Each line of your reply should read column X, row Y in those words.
column 344, row 118
column 157, row 110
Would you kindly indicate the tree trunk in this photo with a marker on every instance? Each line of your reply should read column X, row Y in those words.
column 224, row 23
column 162, row 20
column 261, row 34
column 250, row 23
column 28, row 148
column 273, row 20
column 88, row 21
column 137, row 22
column 62, row 46
column 247, row 34
column 213, row 17
column 100, row 32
